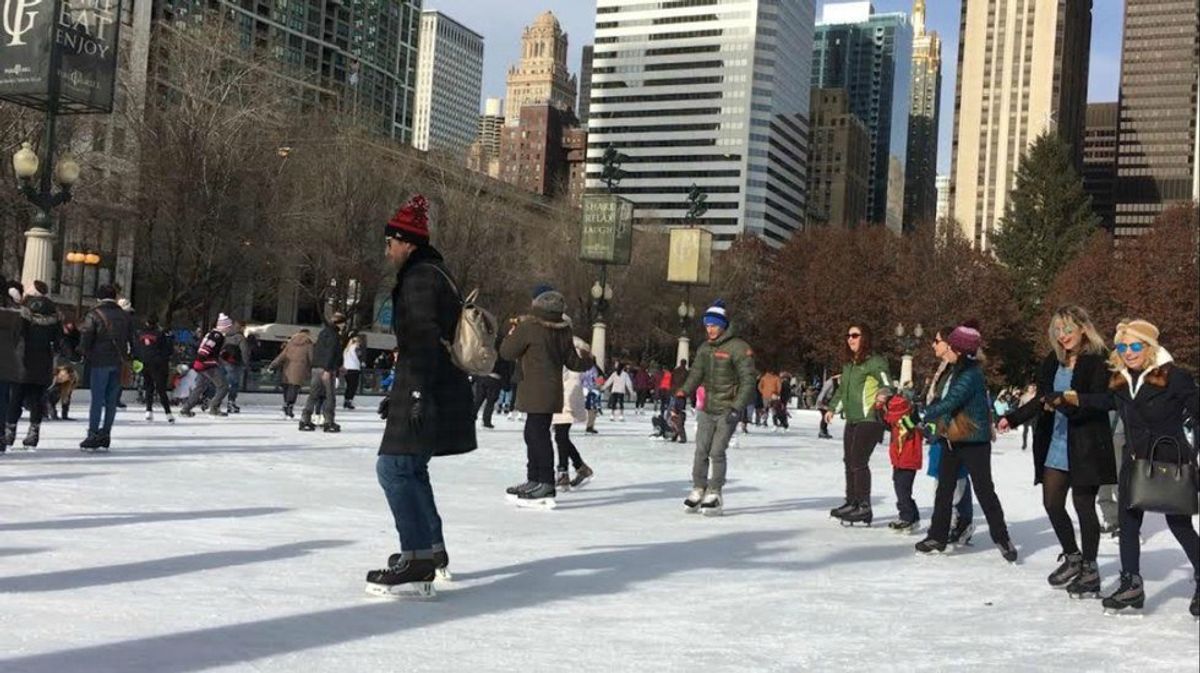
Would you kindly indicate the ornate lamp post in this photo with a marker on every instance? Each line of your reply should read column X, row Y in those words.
column 38, row 189
column 686, row 313
column 907, row 344
column 82, row 260
column 602, row 294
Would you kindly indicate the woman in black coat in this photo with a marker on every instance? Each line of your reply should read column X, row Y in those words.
column 40, row 338
column 1072, row 447
column 1154, row 399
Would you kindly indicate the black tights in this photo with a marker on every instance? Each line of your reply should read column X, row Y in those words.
column 567, row 453
column 1055, row 484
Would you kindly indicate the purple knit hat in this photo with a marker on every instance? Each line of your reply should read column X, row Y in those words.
column 965, row 339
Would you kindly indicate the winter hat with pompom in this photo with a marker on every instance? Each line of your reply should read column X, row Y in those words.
column 411, row 223
column 716, row 315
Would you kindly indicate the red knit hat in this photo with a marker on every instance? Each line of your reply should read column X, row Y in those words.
column 411, row 222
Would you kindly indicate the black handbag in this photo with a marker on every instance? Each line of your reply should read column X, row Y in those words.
column 1167, row 488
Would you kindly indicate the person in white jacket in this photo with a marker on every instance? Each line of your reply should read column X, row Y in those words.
column 619, row 384
column 574, row 411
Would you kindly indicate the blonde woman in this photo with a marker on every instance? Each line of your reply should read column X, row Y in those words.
column 1072, row 447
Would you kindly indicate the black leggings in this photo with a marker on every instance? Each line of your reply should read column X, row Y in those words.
column 1055, row 484
column 977, row 458
column 616, row 401
column 23, row 395
column 352, row 379
column 155, row 378
column 567, row 453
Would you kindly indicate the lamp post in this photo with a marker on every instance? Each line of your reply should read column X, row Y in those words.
column 907, row 344
column 686, row 313
column 39, row 191
column 81, row 259
column 602, row 294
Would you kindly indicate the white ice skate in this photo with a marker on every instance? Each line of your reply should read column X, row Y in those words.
column 713, row 504
column 691, row 504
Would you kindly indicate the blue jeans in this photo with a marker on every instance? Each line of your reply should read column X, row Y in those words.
column 405, row 483
column 233, row 374
column 105, row 383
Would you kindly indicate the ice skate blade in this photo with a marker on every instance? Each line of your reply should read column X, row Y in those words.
column 691, row 510
column 418, row 590
column 1084, row 595
column 537, row 503
column 713, row 511
column 1125, row 613
column 852, row 524
column 444, row 575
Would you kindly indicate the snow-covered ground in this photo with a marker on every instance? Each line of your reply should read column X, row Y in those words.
column 241, row 544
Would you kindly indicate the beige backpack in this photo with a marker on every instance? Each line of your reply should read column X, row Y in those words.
column 473, row 348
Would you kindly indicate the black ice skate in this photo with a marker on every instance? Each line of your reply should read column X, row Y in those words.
column 1008, row 550
column 903, row 527
column 860, row 514
column 1086, row 583
column 186, row 412
column 930, row 546
column 692, row 502
column 331, row 427
column 441, row 564
column 1066, row 573
column 91, row 443
column 1129, row 598
column 513, row 492
column 841, row 510
column 583, row 474
column 540, row 496
column 31, row 437
column 307, row 426
column 412, row 577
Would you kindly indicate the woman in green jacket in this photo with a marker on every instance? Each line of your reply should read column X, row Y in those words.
column 864, row 377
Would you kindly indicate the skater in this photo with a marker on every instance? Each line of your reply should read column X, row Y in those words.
column 296, row 358
column 828, row 390
column 322, row 387
column 154, row 349
column 487, row 391
column 642, row 385
column 963, row 528
column 963, row 419
column 235, row 358
column 864, row 378
column 724, row 365
column 541, row 345
column 428, row 409
column 904, row 450
column 1072, row 447
column 618, row 385
column 1155, row 399
column 352, row 359
column 573, row 411
column 105, row 341
column 207, row 365
column 590, row 381
column 40, row 339
column 65, row 383
column 677, row 420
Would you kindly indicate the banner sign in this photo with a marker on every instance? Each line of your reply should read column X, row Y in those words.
column 81, row 37
column 690, row 259
column 607, row 235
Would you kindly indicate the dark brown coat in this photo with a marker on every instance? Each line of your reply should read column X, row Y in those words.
column 541, row 344
column 296, row 359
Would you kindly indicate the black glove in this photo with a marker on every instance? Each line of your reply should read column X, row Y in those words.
column 416, row 413
column 383, row 408
column 733, row 417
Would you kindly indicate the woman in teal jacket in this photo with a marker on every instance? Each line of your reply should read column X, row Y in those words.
column 864, row 377
column 962, row 418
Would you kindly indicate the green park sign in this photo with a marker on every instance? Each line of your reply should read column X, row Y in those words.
column 607, row 235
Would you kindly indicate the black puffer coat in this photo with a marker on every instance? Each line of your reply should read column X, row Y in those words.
column 1089, row 435
column 42, row 335
column 426, row 312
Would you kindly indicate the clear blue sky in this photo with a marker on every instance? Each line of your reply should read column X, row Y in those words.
column 501, row 22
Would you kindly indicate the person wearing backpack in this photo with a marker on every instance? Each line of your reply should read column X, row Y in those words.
column 105, row 340
column 429, row 409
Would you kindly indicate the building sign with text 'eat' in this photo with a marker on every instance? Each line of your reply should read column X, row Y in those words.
column 607, row 236
column 59, row 53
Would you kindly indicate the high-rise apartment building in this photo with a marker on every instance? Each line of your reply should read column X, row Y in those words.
column 1158, row 111
column 943, row 198
column 838, row 162
column 532, row 156
column 575, row 148
column 870, row 56
column 712, row 94
column 449, row 82
column 1022, row 71
column 585, row 84
column 1100, row 160
column 541, row 77
column 483, row 155
column 925, row 98
column 363, row 50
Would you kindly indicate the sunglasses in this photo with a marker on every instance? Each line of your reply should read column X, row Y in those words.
column 854, row 335
column 1136, row 347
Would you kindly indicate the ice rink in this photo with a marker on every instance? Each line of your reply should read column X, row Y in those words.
column 240, row 544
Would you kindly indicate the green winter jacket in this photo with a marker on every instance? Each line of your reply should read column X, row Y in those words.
column 725, row 368
column 855, row 396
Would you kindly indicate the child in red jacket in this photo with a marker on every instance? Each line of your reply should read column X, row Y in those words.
column 905, row 452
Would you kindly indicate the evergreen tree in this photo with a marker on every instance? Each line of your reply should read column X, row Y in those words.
column 1048, row 221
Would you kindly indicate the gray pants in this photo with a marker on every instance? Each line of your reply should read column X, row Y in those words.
column 215, row 376
column 316, row 388
column 712, row 439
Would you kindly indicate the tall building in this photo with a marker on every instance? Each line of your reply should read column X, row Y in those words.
column 363, row 50
column 1022, row 71
column 449, row 82
column 925, row 100
column 541, row 77
column 585, row 84
column 575, row 148
column 838, row 162
column 532, row 156
column 484, row 154
column 1158, row 112
column 710, row 94
column 870, row 56
column 1100, row 160
column 943, row 198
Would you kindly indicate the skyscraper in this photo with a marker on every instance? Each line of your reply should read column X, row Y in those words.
column 838, row 161
column 585, row 84
column 925, row 99
column 870, row 56
column 484, row 154
column 1022, row 71
column 710, row 94
column 541, row 77
column 449, row 81
column 1100, row 160
column 1158, row 112
column 943, row 198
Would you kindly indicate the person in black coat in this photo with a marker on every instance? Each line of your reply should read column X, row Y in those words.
column 429, row 410
column 1072, row 447
column 327, row 361
column 105, row 341
column 1154, row 399
column 11, row 329
column 154, row 348
column 40, row 333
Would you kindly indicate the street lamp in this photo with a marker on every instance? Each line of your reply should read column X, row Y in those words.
column 907, row 344
column 39, row 191
column 687, row 313
column 81, row 259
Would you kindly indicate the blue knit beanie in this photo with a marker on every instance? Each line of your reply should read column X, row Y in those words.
column 542, row 289
column 715, row 315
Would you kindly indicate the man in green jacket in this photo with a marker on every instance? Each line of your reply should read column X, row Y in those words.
column 724, row 365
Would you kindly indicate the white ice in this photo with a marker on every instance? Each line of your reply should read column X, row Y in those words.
column 241, row 544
